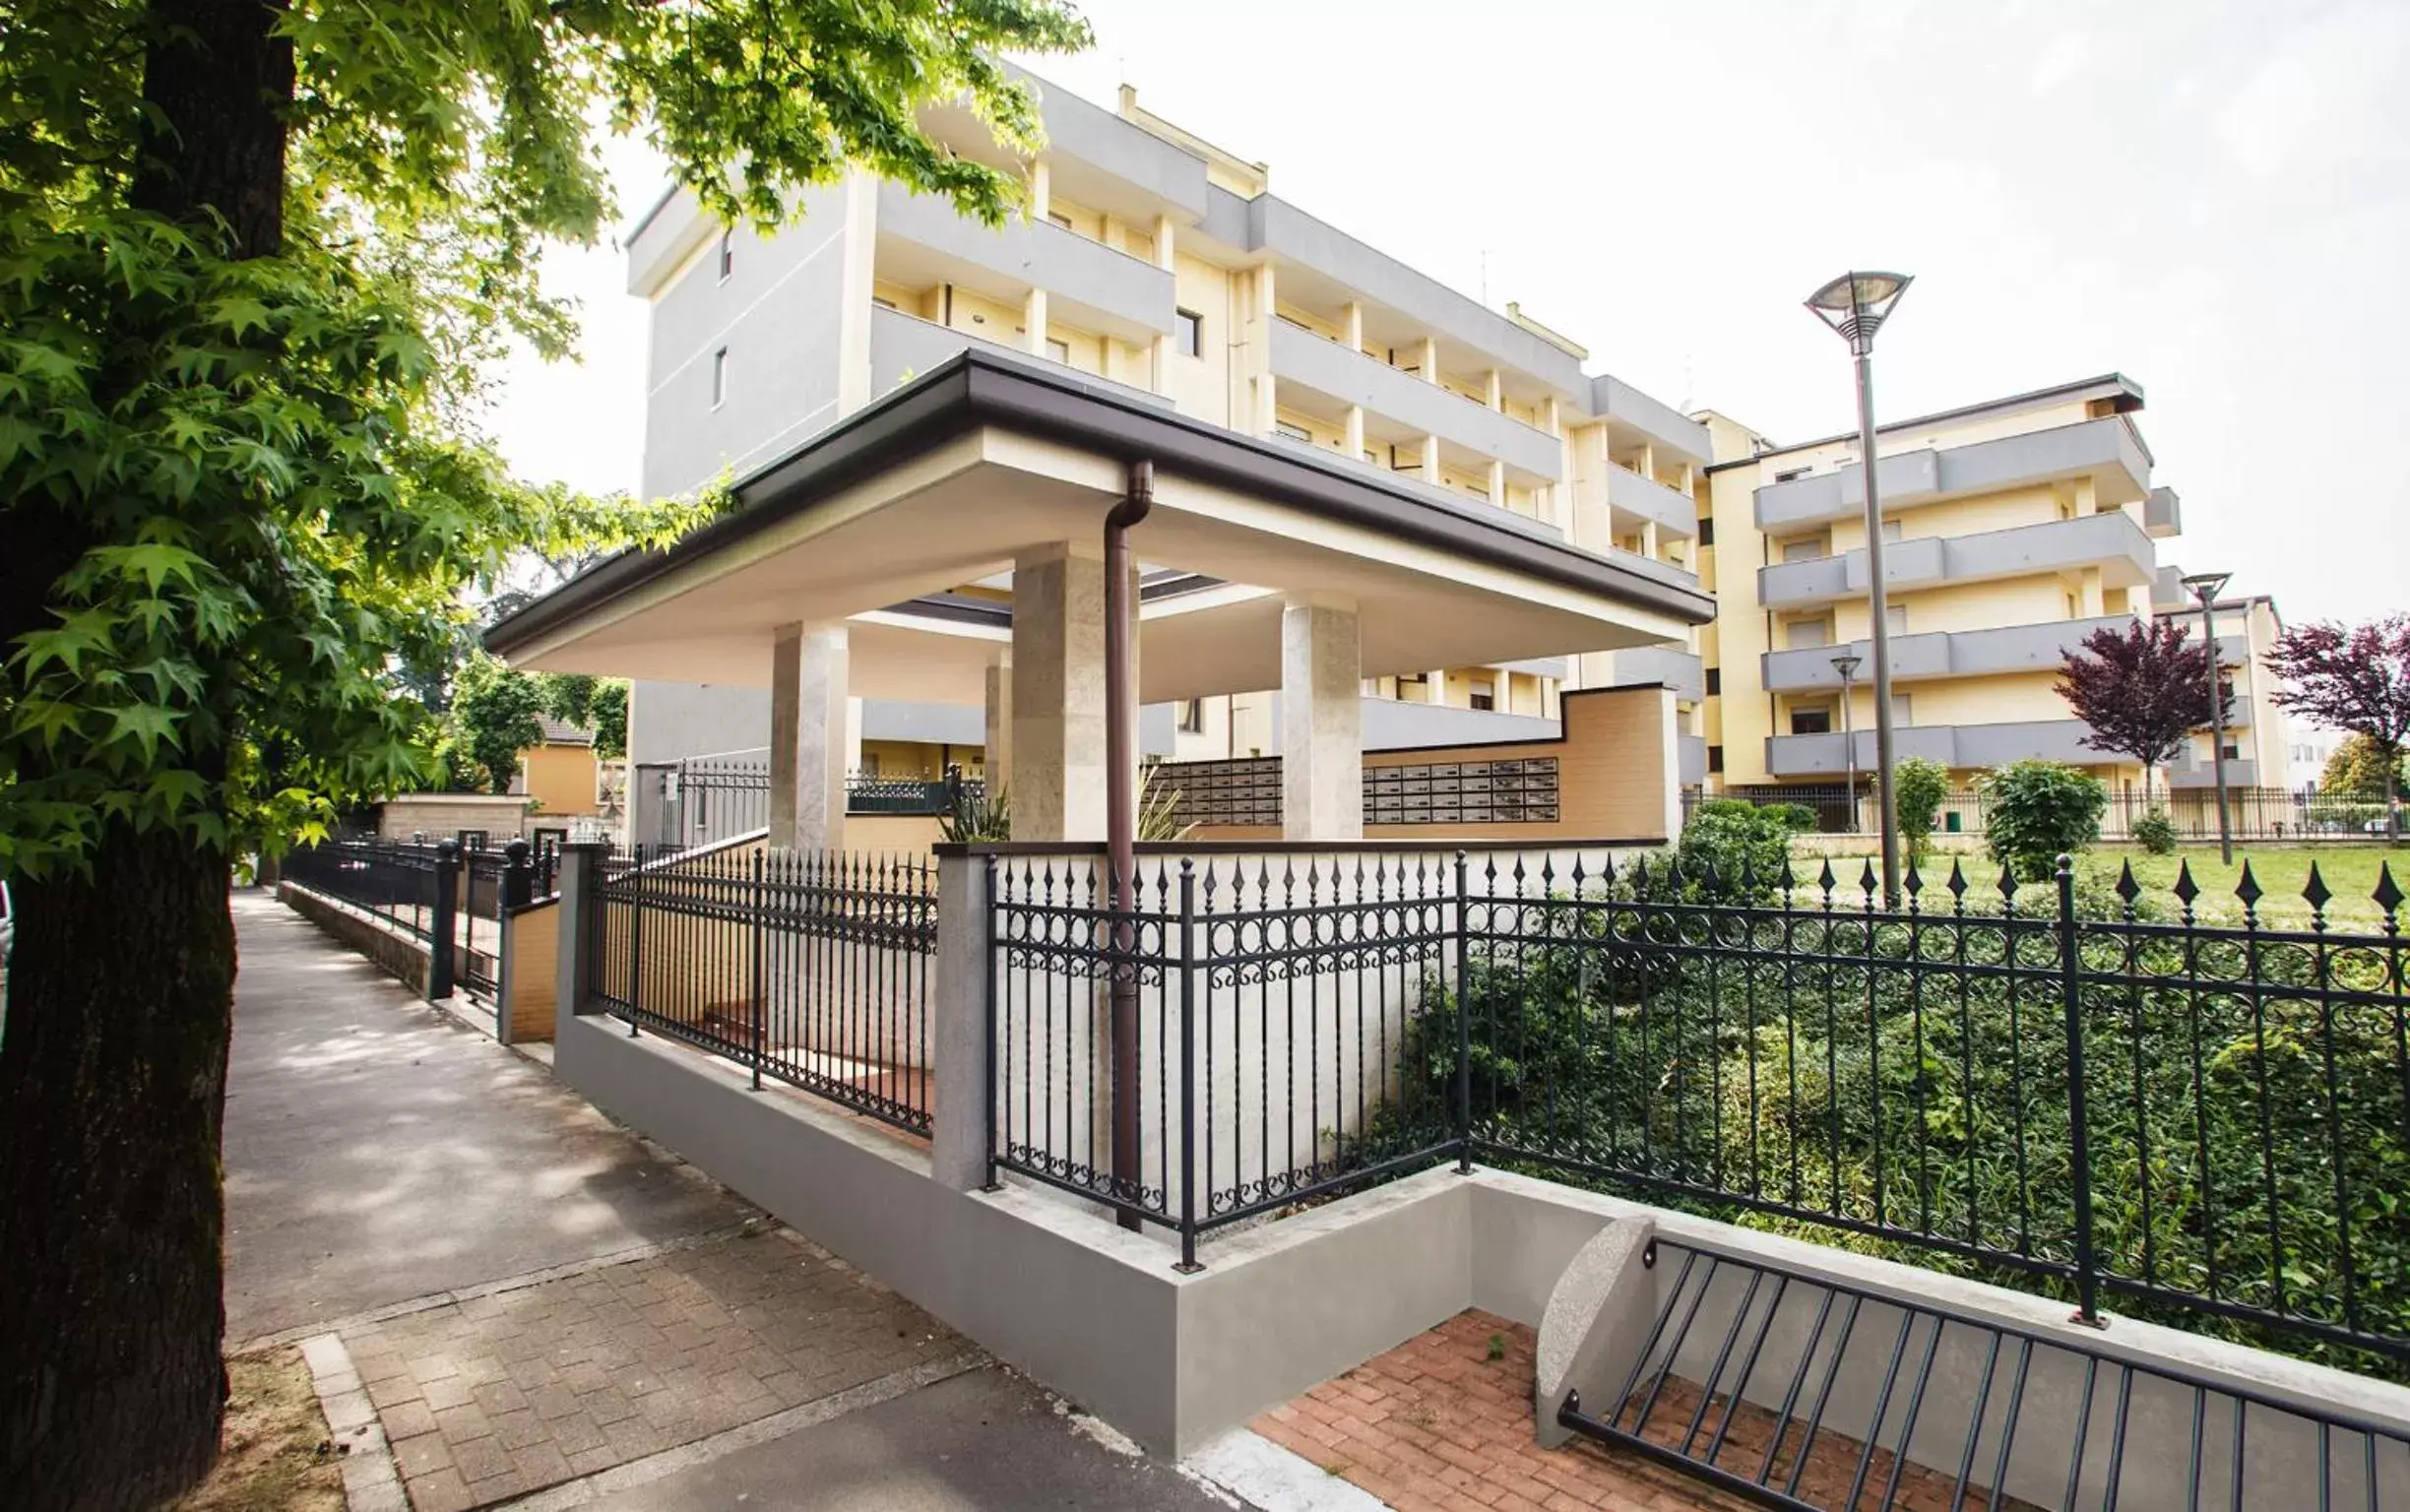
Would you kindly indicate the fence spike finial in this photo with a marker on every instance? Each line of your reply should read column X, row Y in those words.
column 1826, row 880
column 2127, row 887
column 2249, row 891
column 1866, row 883
column 2388, row 894
column 2008, row 884
column 2186, row 888
column 1957, row 883
column 2315, row 894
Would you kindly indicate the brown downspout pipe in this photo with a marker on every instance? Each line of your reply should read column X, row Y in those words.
column 1121, row 826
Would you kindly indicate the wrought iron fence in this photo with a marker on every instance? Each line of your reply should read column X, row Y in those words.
column 911, row 794
column 813, row 970
column 2098, row 1095
column 480, row 918
column 1228, row 1043
column 394, row 880
column 1800, row 1392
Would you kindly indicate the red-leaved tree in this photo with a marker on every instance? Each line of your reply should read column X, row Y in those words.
column 2356, row 679
column 2142, row 689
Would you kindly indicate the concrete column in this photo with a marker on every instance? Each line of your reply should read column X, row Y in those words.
column 1431, row 359
column 1494, row 393
column 1159, row 368
column 1435, row 686
column 1034, row 322
column 1430, row 459
column 1498, row 483
column 959, row 1047
column 853, row 735
column 580, row 876
column 1057, row 746
column 809, row 724
column 1355, row 432
column 1351, row 326
column 1041, row 190
column 1321, row 720
column 997, row 756
column 859, row 251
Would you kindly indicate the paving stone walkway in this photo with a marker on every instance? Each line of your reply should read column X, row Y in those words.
column 522, row 1301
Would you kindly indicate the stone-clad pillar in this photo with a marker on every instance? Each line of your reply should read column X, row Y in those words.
column 1321, row 713
column 809, row 736
column 1057, row 746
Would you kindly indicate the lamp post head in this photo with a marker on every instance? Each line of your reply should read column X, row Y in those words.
column 2207, row 585
column 1856, row 305
column 1847, row 664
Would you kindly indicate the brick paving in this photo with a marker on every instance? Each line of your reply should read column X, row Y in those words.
column 1443, row 1423
column 505, row 1394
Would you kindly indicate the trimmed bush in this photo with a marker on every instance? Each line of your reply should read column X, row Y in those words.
column 2036, row 810
column 2155, row 832
column 1918, row 787
column 1741, row 846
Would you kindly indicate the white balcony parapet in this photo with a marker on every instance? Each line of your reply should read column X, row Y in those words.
column 2111, row 542
column 1092, row 286
column 2108, row 450
column 1670, row 508
column 1350, row 377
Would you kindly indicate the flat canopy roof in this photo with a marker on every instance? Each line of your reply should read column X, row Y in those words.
column 989, row 456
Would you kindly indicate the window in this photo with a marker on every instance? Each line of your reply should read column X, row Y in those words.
column 1812, row 721
column 1795, row 472
column 1484, row 695
column 728, row 255
column 1707, row 530
column 1715, row 759
column 1812, row 549
column 1188, row 327
column 720, row 377
column 1891, row 529
column 1895, row 618
column 1903, row 713
column 1059, row 351
column 1715, row 682
column 1192, row 717
column 1059, row 219
column 1292, row 431
column 1800, row 634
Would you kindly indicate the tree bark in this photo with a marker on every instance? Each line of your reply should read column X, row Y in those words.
column 112, row 1068
column 113, row 1089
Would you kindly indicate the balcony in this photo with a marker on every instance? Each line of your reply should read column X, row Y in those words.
column 1346, row 377
column 1954, row 746
column 2106, row 450
column 2190, row 770
column 1677, row 668
column 2111, row 542
column 1940, row 653
column 904, row 347
column 1636, row 416
column 1091, row 285
column 1670, row 508
column 2163, row 514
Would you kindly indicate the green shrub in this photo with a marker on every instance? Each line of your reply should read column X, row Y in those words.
column 1740, row 846
column 2155, row 832
column 1918, row 787
column 2037, row 810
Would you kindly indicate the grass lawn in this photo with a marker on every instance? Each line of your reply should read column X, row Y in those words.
column 2349, row 871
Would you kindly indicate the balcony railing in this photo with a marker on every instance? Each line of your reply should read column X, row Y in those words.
column 1952, row 745
column 2108, row 450
column 1349, row 377
column 1093, row 285
column 1670, row 508
column 2110, row 542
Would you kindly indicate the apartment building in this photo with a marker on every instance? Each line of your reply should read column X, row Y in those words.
column 2013, row 529
column 1163, row 268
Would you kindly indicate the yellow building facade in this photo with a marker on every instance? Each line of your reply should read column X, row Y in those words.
column 2012, row 530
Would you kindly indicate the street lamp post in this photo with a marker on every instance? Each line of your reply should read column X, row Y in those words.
column 2205, row 587
column 1855, row 305
column 1846, row 665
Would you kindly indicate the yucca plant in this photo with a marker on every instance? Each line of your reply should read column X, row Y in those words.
column 983, row 815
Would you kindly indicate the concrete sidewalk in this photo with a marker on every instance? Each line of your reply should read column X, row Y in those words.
column 530, row 1305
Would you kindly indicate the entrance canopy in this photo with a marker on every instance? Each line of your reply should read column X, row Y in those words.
column 991, row 457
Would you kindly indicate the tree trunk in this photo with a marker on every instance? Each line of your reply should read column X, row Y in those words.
column 112, row 1069
column 112, row 1087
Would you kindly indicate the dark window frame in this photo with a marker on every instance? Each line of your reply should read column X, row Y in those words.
column 1188, row 333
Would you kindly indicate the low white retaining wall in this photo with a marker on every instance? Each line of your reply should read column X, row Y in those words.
column 1052, row 1287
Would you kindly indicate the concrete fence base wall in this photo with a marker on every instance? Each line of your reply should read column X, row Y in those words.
column 1052, row 1287
column 395, row 952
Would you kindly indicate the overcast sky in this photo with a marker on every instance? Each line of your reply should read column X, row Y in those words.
column 2210, row 198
